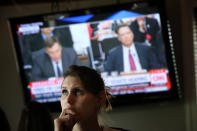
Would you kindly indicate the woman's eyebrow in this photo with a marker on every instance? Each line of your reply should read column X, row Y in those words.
column 74, row 87
column 63, row 87
column 77, row 88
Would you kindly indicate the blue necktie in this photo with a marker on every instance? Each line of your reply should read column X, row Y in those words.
column 59, row 74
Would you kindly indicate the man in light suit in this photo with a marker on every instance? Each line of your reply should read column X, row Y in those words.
column 119, row 57
column 52, row 61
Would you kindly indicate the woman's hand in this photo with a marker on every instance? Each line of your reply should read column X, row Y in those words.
column 66, row 121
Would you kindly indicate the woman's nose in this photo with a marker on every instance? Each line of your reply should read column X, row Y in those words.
column 70, row 98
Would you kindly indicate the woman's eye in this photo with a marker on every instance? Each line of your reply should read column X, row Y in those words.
column 64, row 92
column 78, row 92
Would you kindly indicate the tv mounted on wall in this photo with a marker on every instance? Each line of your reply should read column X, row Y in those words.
column 94, row 38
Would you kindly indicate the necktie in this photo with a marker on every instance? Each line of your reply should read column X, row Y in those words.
column 59, row 74
column 131, row 61
column 147, row 35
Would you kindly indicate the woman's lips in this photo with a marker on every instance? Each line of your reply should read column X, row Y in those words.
column 71, row 111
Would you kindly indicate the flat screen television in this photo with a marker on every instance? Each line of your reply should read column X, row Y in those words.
column 137, row 60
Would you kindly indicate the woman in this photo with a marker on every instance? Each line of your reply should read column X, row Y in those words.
column 83, row 97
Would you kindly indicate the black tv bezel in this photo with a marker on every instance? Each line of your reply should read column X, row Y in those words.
column 173, row 94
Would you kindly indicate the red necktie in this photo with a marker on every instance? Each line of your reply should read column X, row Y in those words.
column 131, row 61
column 147, row 35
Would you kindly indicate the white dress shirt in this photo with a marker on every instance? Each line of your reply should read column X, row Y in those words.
column 126, row 63
column 55, row 67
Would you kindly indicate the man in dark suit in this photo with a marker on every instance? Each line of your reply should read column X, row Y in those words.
column 130, row 56
column 35, row 42
column 52, row 60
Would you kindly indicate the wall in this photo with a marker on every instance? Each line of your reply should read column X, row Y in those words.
column 170, row 116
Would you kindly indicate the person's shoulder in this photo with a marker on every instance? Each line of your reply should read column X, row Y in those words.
column 115, row 49
column 38, row 54
column 67, row 48
column 141, row 44
column 142, row 47
column 152, row 21
column 120, row 129
column 105, row 128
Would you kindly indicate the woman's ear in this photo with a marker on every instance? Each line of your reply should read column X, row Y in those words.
column 101, row 98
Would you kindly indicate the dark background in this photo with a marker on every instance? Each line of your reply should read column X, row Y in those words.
column 164, row 116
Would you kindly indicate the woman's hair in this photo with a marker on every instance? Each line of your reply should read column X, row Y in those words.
column 35, row 117
column 91, row 80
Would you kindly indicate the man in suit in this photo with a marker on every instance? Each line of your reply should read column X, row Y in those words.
column 34, row 42
column 130, row 56
column 52, row 60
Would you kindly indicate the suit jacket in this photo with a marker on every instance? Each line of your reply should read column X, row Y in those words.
column 35, row 42
column 42, row 65
column 147, row 58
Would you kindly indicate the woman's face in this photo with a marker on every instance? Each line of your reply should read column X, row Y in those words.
column 75, row 98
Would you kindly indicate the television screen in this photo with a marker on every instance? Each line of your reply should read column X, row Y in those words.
column 129, row 44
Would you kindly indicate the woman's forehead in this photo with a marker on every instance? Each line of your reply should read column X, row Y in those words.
column 71, row 81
